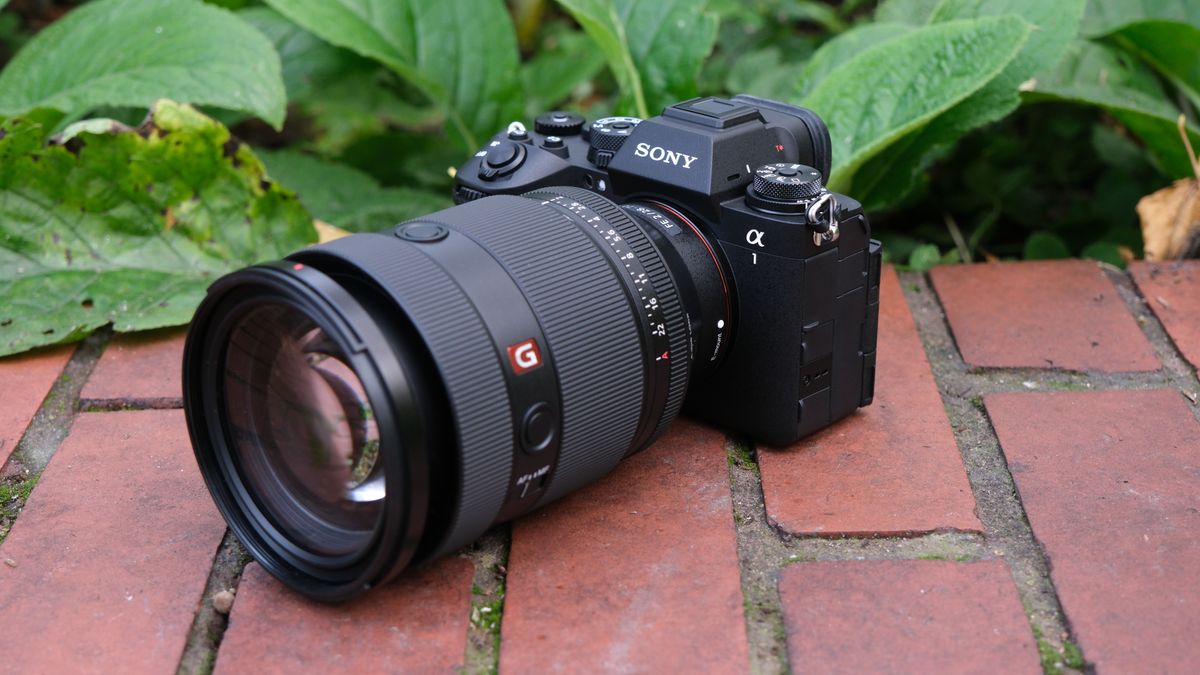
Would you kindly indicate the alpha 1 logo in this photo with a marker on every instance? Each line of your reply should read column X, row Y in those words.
column 524, row 356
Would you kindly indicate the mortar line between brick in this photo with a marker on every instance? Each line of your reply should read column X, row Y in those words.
column 483, row 640
column 1007, row 529
column 1180, row 374
column 209, row 624
column 54, row 417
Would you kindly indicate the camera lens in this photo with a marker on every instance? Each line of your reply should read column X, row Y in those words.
column 382, row 399
column 304, row 436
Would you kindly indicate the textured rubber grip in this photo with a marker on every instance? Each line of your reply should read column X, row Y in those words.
column 589, row 323
column 668, row 296
column 466, row 360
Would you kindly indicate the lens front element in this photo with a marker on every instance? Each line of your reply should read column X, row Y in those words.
column 303, row 433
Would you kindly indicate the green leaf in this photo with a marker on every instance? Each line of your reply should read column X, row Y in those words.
column 764, row 73
column 890, row 177
column 133, row 52
column 911, row 12
column 344, row 196
column 1104, row 16
column 1096, row 74
column 308, row 61
column 924, row 257
column 567, row 60
column 844, row 47
column 1046, row 246
column 654, row 48
column 1105, row 251
column 1172, row 48
column 461, row 54
column 129, row 227
column 886, row 92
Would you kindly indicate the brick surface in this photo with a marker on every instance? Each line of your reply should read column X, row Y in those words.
column 638, row 573
column 1173, row 291
column 1041, row 314
column 905, row 616
column 112, row 551
column 24, row 382
column 1111, row 484
column 892, row 467
column 417, row 624
column 145, row 365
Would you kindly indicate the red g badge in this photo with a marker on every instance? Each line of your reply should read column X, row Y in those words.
column 524, row 356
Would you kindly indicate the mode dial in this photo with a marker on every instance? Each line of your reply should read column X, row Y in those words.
column 606, row 135
column 787, row 182
column 783, row 188
column 559, row 123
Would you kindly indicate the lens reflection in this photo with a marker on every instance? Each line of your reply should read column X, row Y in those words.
column 306, row 438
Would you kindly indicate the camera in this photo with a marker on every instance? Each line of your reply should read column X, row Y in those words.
column 382, row 399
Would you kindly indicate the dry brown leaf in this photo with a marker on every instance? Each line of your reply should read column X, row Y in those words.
column 1171, row 221
column 327, row 232
column 1171, row 217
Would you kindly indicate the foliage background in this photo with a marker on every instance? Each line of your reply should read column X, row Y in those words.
column 972, row 129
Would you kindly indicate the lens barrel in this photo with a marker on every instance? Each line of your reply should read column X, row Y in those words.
column 382, row 399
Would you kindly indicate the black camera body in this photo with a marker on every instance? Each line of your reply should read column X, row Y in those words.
column 380, row 400
column 791, row 348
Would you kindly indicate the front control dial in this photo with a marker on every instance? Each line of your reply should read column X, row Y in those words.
column 559, row 123
column 606, row 135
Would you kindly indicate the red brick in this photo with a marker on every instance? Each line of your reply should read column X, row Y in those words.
column 892, row 468
column 24, row 382
column 905, row 616
column 111, row 552
column 417, row 624
column 637, row 573
column 144, row 365
column 1041, row 314
column 1173, row 291
column 1111, row 484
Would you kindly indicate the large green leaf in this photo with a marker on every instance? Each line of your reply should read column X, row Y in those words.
column 912, row 12
column 129, row 227
column 655, row 48
column 1172, row 48
column 133, row 52
column 893, row 174
column 877, row 97
column 844, row 47
column 567, row 60
column 308, row 61
column 461, row 54
column 1096, row 74
column 1104, row 16
column 344, row 196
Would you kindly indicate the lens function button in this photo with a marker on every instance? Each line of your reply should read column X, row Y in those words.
column 422, row 233
column 538, row 428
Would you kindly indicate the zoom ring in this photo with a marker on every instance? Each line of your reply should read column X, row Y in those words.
column 678, row 356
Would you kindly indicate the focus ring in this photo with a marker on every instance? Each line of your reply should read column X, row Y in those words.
column 475, row 384
column 668, row 296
